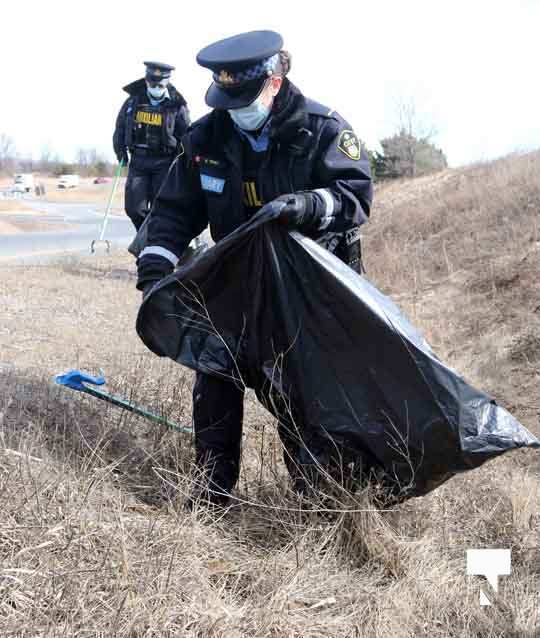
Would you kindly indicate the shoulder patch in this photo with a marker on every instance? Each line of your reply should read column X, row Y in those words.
column 349, row 144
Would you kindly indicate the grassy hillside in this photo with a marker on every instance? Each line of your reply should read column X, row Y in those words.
column 94, row 540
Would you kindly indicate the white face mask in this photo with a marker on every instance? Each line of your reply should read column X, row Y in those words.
column 252, row 116
column 157, row 92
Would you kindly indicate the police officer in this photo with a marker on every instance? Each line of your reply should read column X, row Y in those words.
column 150, row 124
column 262, row 141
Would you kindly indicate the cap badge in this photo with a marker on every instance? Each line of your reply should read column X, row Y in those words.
column 225, row 78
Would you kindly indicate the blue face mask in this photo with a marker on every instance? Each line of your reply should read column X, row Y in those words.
column 157, row 92
column 252, row 116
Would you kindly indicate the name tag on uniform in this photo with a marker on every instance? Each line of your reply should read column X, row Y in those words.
column 213, row 184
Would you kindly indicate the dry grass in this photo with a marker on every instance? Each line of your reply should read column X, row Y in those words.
column 460, row 252
column 86, row 192
column 94, row 540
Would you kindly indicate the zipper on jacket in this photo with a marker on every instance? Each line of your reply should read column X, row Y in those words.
column 275, row 182
column 263, row 171
column 290, row 173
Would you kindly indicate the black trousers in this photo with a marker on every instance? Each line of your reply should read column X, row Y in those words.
column 145, row 176
column 218, row 410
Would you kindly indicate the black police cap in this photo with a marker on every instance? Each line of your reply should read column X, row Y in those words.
column 240, row 66
column 157, row 71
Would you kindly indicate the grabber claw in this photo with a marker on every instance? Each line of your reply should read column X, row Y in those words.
column 100, row 241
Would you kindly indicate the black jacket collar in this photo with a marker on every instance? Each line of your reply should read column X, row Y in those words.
column 289, row 115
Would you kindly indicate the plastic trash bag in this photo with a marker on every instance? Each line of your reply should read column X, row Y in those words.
column 274, row 310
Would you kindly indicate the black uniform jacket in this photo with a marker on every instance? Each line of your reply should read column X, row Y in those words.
column 175, row 120
column 207, row 181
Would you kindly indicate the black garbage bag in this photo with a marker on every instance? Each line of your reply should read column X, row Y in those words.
column 274, row 310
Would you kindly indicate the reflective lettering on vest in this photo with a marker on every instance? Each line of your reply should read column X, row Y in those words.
column 251, row 197
column 148, row 129
column 147, row 117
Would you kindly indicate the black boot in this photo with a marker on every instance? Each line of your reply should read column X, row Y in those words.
column 218, row 407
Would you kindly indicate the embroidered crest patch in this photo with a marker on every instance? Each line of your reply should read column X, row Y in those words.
column 352, row 235
column 349, row 144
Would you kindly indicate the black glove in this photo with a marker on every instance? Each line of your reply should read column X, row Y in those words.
column 123, row 158
column 300, row 210
column 147, row 287
column 152, row 268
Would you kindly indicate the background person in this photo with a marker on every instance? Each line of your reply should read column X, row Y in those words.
column 149, row 125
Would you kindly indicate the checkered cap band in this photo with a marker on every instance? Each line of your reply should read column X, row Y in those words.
column 263, row 68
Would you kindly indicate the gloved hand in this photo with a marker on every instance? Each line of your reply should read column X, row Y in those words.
column 147, row 287
column 123, row 157
column 300, row 210
column 150, row 269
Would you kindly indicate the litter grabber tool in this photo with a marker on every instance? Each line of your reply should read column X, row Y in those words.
column 75, row 379
column 107, row 211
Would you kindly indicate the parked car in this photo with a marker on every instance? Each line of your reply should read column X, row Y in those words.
column 68, row 181
column 23, row 182
column 13, row 192
column 102, row 180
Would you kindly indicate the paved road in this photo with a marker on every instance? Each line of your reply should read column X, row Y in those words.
column 32, row 247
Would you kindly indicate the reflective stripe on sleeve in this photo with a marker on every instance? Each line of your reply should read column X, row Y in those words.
column 162, row 252
column 329, row 205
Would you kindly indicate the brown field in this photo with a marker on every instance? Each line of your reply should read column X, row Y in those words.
column 94, row 539
column 86, row 192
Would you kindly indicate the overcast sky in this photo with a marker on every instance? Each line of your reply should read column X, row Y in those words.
column 471, row 66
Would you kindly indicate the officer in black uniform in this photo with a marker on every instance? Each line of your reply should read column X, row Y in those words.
column 262, row 141
column 150, row 124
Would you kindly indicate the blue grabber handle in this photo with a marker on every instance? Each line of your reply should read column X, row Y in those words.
column 75, row 379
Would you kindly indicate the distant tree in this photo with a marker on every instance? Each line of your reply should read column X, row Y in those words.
column 372, row 162
column 48, row 159
column 405, row 155
column 55, row 164
column 25, row 164
column 90, row 163
column 80, row 159
column 410, row 151
column 102, row 168
column 7, row 153
column 64, row 168
column 45, row 158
